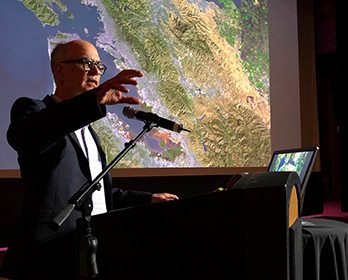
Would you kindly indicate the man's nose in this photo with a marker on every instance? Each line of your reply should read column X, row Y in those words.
column 95, row 70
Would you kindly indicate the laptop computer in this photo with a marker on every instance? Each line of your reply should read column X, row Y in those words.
column 299, row 160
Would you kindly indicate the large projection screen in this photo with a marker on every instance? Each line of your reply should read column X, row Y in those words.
column 227, row 70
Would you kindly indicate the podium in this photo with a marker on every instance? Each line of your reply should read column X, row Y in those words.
column 241, row 233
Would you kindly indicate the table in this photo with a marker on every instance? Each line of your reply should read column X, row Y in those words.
column 325, row 249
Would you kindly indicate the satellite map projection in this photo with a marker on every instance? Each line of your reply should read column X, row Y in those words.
column 205, row 65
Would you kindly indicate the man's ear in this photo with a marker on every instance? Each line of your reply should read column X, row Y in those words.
column 58, row 71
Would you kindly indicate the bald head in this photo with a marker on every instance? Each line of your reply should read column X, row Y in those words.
column 69, row 74
column 64, row 51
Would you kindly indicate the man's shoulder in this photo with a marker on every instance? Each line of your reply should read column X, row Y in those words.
column 24, row 106
column 27, row 102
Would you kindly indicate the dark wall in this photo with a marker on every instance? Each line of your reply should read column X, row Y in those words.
column 11, row 191
column 331, row 90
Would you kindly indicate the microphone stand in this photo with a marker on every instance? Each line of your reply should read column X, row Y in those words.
column 82, row 201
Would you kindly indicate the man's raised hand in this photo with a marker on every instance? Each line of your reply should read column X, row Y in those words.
column 110, row 92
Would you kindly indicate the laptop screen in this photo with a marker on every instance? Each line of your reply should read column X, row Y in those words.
column 297, row 160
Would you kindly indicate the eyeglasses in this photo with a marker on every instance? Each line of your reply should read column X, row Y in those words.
column 89, row 64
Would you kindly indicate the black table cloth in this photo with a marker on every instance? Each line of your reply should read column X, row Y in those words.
column 325, row 249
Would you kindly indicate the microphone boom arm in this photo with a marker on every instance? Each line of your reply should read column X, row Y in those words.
column 82, row 201
column 77, row 198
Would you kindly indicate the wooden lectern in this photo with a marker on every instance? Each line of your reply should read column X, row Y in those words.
column 241, row 233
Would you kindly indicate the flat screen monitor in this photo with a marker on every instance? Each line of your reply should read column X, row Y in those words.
column 299, row 160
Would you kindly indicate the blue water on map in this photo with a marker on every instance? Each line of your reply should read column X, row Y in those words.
column 25, row 64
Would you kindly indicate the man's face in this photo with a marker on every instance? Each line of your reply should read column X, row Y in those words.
column 74, row 79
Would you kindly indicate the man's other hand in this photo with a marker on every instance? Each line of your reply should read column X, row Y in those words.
column 160, row 197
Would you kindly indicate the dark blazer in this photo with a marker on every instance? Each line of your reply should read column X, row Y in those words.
column 53, row 165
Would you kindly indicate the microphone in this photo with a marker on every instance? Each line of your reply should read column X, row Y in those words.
column 132, row 113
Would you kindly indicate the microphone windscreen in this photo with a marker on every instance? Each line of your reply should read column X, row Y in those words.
column 129, row 112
